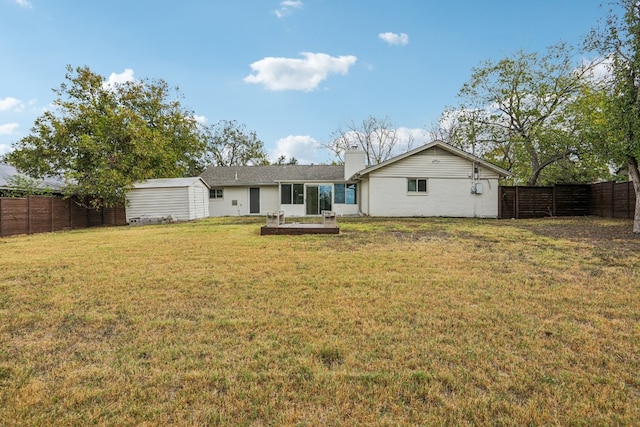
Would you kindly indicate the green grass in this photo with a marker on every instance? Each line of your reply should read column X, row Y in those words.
column 392, row 322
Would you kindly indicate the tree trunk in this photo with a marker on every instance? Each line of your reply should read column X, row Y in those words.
column 632, row 165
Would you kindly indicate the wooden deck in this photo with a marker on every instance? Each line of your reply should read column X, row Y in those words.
column 297, row 229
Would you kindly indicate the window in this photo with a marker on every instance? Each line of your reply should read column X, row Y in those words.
column 215, row 193
column 338, row 197
column 292, row 194
column 298, row 194
column 351, row 195
column 285, row 194
column 417, row 185
column 345, row 193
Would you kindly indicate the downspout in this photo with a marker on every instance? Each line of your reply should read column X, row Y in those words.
column 473, row 180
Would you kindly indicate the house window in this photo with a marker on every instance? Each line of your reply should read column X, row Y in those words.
column 345, row 194
column 285, row 194
column 215, row 193
column 417, row 185
column 292, row 194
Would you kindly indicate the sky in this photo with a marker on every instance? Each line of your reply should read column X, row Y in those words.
column 293, row 71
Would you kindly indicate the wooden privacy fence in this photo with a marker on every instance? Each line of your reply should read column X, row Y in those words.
column 607, row 199
column 38, row 214
column 613, row 200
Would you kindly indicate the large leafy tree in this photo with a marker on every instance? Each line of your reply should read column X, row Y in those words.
column 620, row 43
column 527, row 113
column 101, row 138
column 231, row 144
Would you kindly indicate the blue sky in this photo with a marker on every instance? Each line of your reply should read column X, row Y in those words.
column 293, row 71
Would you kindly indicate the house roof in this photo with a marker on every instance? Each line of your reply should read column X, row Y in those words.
column 444, row 146
column 169, row 182
column 227, row 176
column 7, row 172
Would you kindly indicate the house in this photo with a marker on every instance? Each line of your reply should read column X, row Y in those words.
column 296, row 190
column 182, row 199
column 435, row 179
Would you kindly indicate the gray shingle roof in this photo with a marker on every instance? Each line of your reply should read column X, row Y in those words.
column 226, row 176
column 7, row 172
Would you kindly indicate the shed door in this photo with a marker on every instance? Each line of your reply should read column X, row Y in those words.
column 254, row 200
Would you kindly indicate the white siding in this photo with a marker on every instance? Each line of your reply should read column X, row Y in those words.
column 158, row 202
column 450, row 179
column 293, row 210
column 225, row 206
column 269, row 201
column 364, row 196
column 445, row 197
column 184, row 201
column 434, row 163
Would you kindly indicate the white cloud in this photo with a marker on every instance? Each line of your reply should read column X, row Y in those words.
column 401, row 39
column 8, row 128
column 298, row 74
column 4, row 149
column 24, row 3
column 201, row 120
column 125, row 76
column 302, row 147
column 286, row 7
column 409, row 138
column 600, row 69
column 11, row 104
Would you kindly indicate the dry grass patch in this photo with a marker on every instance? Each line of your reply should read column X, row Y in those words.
column 416, row 321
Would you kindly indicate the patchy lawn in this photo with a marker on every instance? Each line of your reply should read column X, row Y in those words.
column 392, row 322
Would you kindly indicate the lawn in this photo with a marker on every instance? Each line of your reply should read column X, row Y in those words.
column 392, row 322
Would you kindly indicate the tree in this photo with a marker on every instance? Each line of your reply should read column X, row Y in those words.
column 101, row 138
column 230, row 144
column 282, row 161
column 620, row 43
column 522, row 114
column 378, row 138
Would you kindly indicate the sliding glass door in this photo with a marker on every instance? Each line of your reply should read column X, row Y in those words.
column 318, row 199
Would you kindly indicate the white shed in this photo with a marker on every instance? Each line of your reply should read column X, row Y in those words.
column 183, row 199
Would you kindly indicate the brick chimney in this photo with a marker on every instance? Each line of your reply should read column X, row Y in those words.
column 354, row 161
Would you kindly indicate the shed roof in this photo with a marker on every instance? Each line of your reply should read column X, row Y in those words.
column 169, row 182
column 227, row 176
column 7, row 172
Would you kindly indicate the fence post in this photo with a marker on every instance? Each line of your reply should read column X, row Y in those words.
column 613, row 199
column 28, row 214
column 516, row 203
column 601, row 185
column 553, row 201
column 52, row 216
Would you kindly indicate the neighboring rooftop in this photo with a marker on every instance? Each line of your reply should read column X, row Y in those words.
column 7, row 172
column 218, row 176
